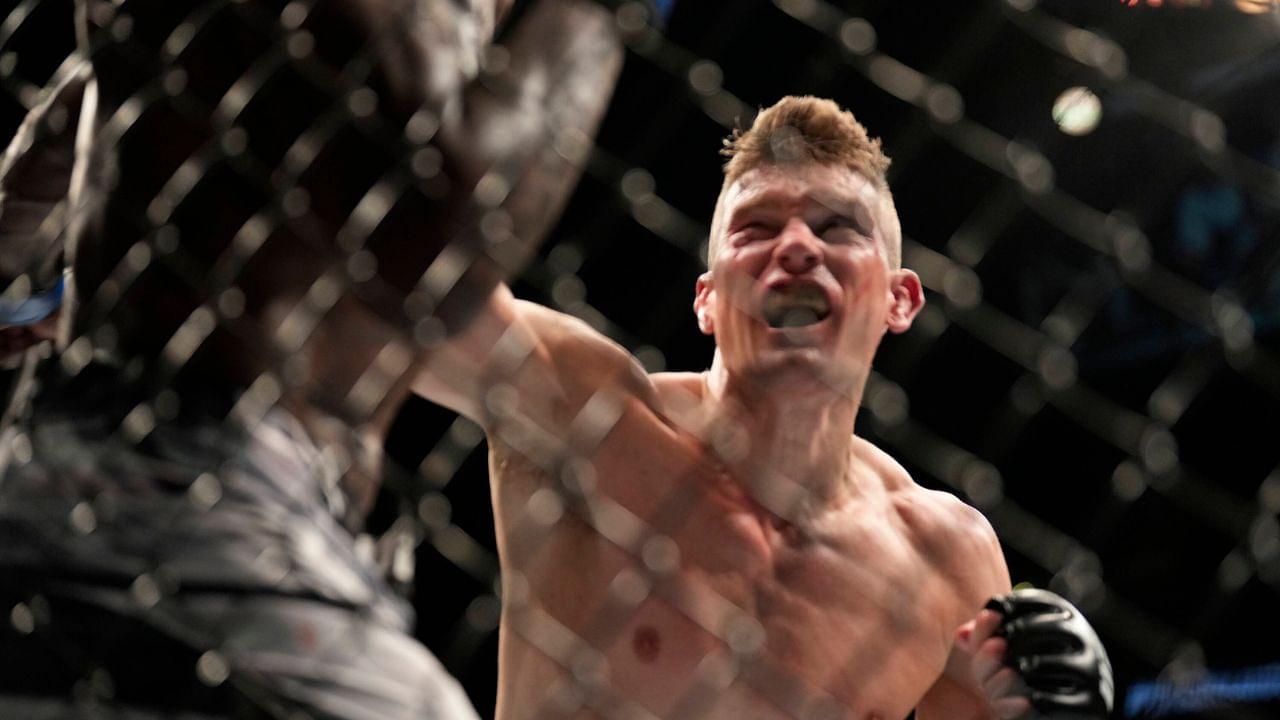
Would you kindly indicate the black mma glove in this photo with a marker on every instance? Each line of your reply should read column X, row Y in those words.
column 1057, row 654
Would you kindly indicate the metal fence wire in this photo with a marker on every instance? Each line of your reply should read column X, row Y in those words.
column 215, row 500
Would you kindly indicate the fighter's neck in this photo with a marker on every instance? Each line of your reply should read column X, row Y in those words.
column 790, row 442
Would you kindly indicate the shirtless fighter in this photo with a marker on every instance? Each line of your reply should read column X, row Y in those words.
column 276, row 208
column 721, row 544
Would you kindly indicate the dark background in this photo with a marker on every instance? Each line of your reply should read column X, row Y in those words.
column 1144, row 483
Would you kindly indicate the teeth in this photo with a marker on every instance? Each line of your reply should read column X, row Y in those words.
column 798, row 317
column 795, row 309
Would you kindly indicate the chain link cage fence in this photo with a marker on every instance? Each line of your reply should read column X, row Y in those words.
column 1088, row 190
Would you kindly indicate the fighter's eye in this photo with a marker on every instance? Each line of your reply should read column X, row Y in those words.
column 837, row 228
column 756, row 231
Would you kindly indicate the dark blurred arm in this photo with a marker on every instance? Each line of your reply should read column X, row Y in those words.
column 35, row 174
column 502, row 142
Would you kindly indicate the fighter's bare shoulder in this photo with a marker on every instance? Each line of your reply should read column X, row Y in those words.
column 548, row 363
column 585, row 359
column 953, row 534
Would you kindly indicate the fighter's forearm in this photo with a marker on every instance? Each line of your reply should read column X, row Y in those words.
column 412, row 178
column 514, row 123
column 521, row 135
column 550, row 80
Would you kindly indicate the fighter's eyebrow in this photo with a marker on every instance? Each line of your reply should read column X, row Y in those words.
column 855, row 209
column 764, row 201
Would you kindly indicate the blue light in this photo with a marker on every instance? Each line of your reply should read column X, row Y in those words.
column 32, row 309
column 1156, row 699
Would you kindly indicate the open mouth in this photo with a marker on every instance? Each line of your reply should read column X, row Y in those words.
column 795, row 307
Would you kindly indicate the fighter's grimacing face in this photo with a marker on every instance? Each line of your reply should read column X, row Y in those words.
column 802, row 277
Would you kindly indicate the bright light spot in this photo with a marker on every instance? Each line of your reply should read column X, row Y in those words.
column 1077, row 111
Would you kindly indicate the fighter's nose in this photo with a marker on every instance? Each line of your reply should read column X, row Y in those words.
column 798, row 257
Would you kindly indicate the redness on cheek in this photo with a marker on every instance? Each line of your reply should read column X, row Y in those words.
column 647, row 643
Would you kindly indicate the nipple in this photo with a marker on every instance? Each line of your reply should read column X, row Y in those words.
column 646, row 643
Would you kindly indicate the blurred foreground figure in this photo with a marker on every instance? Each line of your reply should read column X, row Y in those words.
column 275, row 210
column 721, row 544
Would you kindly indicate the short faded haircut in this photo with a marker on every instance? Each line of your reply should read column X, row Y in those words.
column 799, row 130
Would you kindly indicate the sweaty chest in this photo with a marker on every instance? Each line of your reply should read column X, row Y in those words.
column 696, row 602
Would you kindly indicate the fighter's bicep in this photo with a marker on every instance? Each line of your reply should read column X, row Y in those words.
column 452, row 371
column 565, row 375
column 519, row 361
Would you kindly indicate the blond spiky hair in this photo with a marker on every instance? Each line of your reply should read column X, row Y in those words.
column 800, row 130
column 805, row 129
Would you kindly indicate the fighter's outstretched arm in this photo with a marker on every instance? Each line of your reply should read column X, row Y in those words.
column 518, row 139
column 519, row 357
column 548, row 362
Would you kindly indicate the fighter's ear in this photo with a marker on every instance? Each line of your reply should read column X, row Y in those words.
column 703, row 303
column 906, row 301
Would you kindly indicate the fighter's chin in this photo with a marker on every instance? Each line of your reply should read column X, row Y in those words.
column 797, row 346
column 799, row 366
